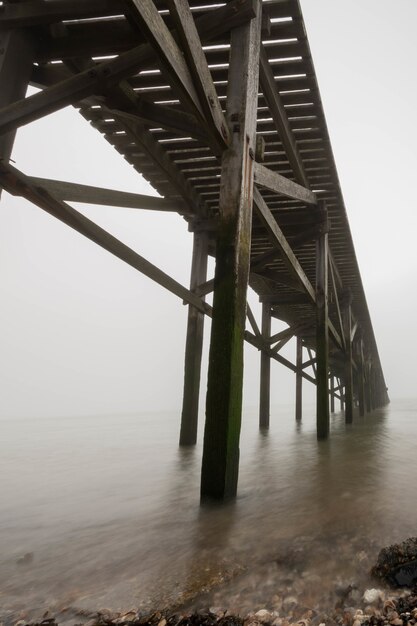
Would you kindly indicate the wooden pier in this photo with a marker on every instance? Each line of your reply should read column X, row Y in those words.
column 217, row 105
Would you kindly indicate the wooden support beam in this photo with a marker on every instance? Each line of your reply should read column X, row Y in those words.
column 313, row 361
column 260, row 345
column 367, row 387
column 37, row 12
column 347, row 322
column 265, row 376
column 361, row 377
column 332, row 393
column 16, row 183
column 322, row 337
column 168, row 52
column 299, row 381
column 75, row 192
column 16, row 57
column 278, row 240
column 193, row 346
column 252, row 321
column 225, row 373
column 336, row 299
column 108, row 73
column 282, row 185
column 177, row 122
column 279, row 115
column 197, row 64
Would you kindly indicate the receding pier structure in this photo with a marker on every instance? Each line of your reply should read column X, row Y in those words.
column 217, row 105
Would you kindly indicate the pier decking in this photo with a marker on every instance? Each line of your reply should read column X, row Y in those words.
column 217, row 106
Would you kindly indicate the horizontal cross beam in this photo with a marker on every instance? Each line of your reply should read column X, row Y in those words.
column 74, row 192
column 15, row 182
column 282, row 185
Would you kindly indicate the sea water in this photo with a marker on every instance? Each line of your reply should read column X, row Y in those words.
column 108, row 509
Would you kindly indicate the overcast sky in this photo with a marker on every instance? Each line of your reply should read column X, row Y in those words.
column 82, row 333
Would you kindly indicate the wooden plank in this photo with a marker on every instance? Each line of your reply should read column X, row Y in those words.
column 170, row 119
column 75, row 192
column 197, row 64
column 29, row 14
column 265, row 373
column 17, row 183
column 109, row 73
column 282, row 185
column 322, row 337
column 225, row 373
column 169, row 54
column 277, row 238
column 271, row 93
column 193, row 346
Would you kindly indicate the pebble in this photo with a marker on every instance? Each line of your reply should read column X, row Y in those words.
column 263, row 616
column 373, row 596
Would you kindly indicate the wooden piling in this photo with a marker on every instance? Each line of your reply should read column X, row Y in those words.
column 299, row 381
column 194, row 346
column 347, row 322
column 220, row 465
column 331, row 394
column 322, row 335
column 361, row 377
column 265, row 375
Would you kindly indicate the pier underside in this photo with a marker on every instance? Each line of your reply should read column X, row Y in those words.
column 217, row 106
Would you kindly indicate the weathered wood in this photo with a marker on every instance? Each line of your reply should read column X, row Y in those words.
column 260, row 345
column 225, row 373
column 109, row 73
column 168, row 51
column 332, row 394
column 75, row 192
column 252, row 321
column 36, row 12
column 277, row 238
column 299, row 381
column 16, row 56
column 197, row 64
column 322, row 337
column 347, row 322
column 282, row 185
column 193, row 347
column 278, row 114
column 17, row 183
column 265, row 375
column 361, row 377
column 177, row 122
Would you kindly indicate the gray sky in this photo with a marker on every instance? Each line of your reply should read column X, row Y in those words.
column 81, row 333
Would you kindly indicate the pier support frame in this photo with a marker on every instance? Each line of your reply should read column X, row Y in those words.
column 193, row 346
column 220, row 465
column 361, row 377
column 347, row 323
column 16, row 57
column 265, row 376
column 299, row 381
column 332, row 393
column 322, row 333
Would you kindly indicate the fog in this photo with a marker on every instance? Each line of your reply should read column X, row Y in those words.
column 81, row 333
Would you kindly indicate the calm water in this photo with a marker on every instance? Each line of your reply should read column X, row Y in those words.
column 109, row 508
